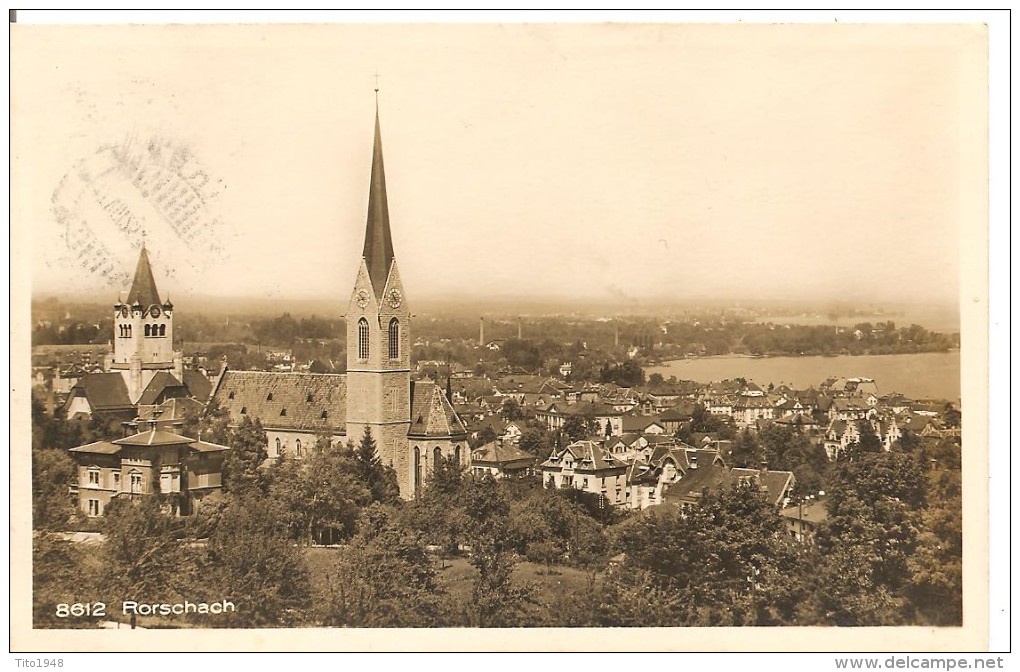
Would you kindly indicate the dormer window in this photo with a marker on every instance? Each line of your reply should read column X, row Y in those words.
column 324, row 415
column 230, row 395
column 244, row 410
column 309, row 399
column 269, row 397
column 283, row 413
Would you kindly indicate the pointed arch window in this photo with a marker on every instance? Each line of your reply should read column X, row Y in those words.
column 394, row 337
column 417, row 470
column 362, row 338
column 278, row 445
column 437, row 458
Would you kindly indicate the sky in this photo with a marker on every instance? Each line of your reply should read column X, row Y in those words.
column 613, row 162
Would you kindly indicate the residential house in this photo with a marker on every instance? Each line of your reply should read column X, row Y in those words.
column 688, row 491
column 587, row 466
column 674, row 417
column 648, row 479
column 804, row 518
column 642, row 425
column 502, row 459
column 851, row 408
column 751, row 406
column 150, row 462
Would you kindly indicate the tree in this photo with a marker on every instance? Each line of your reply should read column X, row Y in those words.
column 53, row 472
column 249, row 449
column 728, row 556
column 496, row 599
column 746, row 450
column 936, row 567
column 381, row 479
column 951, row 416
column 383, row 578
column 437, row 513
column 317, row 366
column 627, row 374
column 144, row 553
column 485, row 435
column 877, row 477
column 702, row 421
column 577, row 427
column 60, row 574
column 868, row 441
column 320, row 497
column 511, row 410
column 253, row 563
column 535, row 441
column 848, row 593
column 213, row 426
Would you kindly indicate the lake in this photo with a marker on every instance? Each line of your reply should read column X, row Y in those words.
column 927, row 375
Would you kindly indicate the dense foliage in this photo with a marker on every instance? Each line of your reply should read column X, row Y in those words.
column 327, row 541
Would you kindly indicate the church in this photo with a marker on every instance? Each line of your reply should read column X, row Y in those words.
column 412, row 422
column 143, row 369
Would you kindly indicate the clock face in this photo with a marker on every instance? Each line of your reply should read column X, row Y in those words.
column 124, row 311
column 362, row 298
column 154, row 311
column 395, row 298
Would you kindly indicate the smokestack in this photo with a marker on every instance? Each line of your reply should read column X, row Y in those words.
column 481, row 331
column 616, row 334
column 519, row 329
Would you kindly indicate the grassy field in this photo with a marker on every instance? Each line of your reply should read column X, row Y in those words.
column 457, row 575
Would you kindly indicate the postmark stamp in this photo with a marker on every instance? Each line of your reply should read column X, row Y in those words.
column 134, row 187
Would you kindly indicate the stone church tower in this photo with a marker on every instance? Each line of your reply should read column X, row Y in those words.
column 143, row 333
column 378, row 338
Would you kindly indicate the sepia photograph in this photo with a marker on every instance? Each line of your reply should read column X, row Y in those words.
column 366, row 335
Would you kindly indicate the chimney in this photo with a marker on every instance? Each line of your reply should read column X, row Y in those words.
column 764, row 466
column 694, row 461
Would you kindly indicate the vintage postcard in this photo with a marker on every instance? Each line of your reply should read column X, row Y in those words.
column 517, row 336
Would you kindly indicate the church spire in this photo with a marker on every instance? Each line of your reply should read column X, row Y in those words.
column 378, row 243
column 143, row 289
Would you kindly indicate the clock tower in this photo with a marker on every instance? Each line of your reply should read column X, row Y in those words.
column 378, row 337
column 143, row 332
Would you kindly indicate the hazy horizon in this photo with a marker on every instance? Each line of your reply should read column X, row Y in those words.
column 939, row 317
column 626, row 164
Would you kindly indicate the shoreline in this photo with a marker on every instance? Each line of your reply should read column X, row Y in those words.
column 667, row 362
